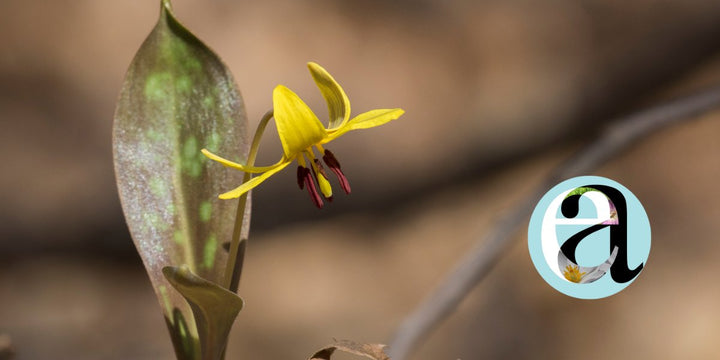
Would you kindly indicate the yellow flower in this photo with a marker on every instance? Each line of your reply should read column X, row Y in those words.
column 300, row 131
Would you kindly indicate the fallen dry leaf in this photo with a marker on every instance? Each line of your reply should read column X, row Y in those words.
column 372, row 351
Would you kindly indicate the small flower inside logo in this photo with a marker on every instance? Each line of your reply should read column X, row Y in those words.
column 583, row 275
column 589, row 237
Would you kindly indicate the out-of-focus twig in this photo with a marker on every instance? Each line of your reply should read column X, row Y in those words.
column 6, row 349
column 618, row 136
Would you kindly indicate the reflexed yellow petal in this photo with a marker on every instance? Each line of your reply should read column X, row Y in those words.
column 366, row 120
column 297, row 125
column 234, row 165
column 374, row 118
column 235, row 193
column 337, row 102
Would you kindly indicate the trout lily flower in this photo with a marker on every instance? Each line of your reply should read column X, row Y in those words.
column 301, row 134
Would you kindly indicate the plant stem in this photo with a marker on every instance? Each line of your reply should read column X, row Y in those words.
column 233, row 269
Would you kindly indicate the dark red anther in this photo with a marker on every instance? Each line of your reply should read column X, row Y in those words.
column 307, row 181
column 301, row 177
column 334, row 165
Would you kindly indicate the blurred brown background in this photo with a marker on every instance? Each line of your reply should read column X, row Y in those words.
column 496, row 93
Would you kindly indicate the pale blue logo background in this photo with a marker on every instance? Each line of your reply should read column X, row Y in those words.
column 595, row 248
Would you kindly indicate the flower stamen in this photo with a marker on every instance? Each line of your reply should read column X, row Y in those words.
column 334, row 165
column 306, row 180
column 300, row 172
column 321, row 177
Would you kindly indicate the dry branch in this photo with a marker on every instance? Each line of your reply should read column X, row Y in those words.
column 618, row 136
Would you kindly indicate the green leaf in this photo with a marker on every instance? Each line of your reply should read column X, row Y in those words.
column 178, row 97
column 213, row 307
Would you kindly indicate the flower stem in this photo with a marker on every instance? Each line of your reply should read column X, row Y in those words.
column 233, row 269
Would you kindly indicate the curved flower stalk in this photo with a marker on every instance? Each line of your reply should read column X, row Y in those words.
column 582, row 274
column 301, row 134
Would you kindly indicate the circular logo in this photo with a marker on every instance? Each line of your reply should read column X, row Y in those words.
column 589, row 237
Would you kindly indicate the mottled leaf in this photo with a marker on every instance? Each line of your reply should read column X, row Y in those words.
column 213, row 307
column 178, row 98
column 372, row 351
